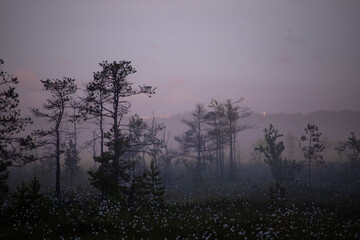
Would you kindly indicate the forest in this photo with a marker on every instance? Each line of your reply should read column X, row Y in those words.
column 82, row 167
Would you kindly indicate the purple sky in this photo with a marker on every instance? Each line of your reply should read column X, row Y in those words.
column 281, row 56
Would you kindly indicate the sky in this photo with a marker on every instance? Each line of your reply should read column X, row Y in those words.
column 286, row 56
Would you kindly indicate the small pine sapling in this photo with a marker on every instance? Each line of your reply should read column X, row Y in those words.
column 138, row 192
column 277, row 193
column 72, row 160
column 28, row 193
column 272, row 150
column 155, row 185
column 33, row 191
column 21, row 194
column 4, row 174
column 351, row 148
column 102, row 177
column 312, row 147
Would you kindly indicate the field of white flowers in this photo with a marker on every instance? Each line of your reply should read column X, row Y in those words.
column 237, row 212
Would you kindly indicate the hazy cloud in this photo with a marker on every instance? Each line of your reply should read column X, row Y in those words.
column 195, row 50
column 29, row 89
column 291, row 38
column 284, row 57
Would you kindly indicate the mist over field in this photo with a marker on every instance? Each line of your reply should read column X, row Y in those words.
column 179, row 119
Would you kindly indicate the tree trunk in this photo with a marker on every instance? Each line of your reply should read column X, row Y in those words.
column 101, row 126
column 222, row 158
column 204, row 154
column 75, row 130
column 199, row 157
column 115, row 116
column 234, row 148
column 309, row 163
column 116, row 148
column 231, row 162
column 199, row 145
column 217, row 156
column 57, row 132
column 94, row 150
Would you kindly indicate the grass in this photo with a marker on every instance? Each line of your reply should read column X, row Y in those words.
column 208, row 214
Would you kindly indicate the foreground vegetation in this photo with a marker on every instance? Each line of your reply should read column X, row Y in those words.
column 242, row 211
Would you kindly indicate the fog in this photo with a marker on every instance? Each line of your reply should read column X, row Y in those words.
column 179, row 120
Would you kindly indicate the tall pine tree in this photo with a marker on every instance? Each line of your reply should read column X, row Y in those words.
column 55, row 111
column 115, row 91
column 12, row 147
